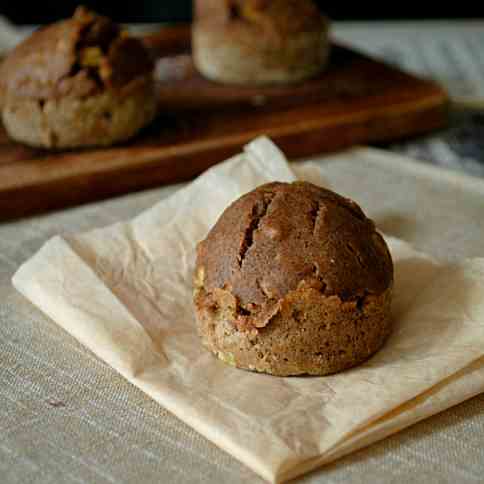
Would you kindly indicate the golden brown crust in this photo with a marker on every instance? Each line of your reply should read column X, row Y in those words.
column 278, row 17
column 297, row 262
column 259, row 41
column 305, row 232
column 80, row 56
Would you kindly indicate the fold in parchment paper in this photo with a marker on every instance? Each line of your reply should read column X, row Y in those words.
column 125, row 292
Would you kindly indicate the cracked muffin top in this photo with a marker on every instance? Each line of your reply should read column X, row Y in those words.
column 278, row 16
column 81, row 56
column 284, row 235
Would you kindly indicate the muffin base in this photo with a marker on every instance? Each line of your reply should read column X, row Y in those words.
column 71, row 122
column 308, row 333
column 236, row 54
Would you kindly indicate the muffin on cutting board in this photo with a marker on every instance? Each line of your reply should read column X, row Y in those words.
column 259, row 41
column 293, row 279
column 78, row 82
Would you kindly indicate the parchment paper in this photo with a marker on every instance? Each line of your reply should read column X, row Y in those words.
column 125, row 292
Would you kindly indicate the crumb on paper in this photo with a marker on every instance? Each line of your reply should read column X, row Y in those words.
column 56, row 403
column 227, row 358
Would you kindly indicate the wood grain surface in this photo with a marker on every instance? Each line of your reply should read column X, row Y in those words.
column 357, row 100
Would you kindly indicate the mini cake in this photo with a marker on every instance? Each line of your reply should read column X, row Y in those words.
column 259, row 41
column 78, row 82
column 293, row 279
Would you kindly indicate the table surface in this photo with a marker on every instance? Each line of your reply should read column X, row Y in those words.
column 65, row 416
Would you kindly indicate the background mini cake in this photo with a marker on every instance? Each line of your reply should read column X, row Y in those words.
column 259, row 41
column 78, row 82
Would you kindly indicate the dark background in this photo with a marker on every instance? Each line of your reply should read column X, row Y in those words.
column 36, row 12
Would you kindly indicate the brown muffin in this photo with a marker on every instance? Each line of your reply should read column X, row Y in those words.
column 259, row 41
column 78, row 82
column 293, row 279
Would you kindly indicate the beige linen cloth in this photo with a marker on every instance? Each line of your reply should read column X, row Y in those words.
column 125, row 292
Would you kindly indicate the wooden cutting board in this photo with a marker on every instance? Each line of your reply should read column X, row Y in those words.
column 357, row 100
